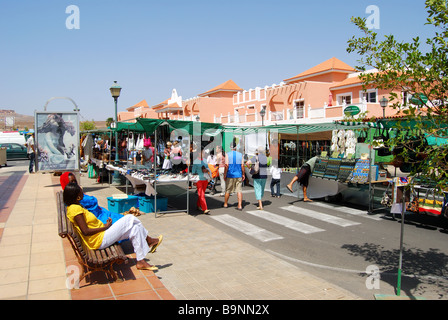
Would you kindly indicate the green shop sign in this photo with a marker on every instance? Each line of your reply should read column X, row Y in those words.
column 418, row 99
column 352, row 110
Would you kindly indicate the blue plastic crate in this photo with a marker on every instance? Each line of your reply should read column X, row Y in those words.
column 146, row 204
column 122, row 205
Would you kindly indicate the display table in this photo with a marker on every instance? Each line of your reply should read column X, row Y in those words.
column 150, row 183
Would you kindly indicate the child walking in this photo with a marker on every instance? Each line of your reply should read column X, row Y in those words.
column 276, row 173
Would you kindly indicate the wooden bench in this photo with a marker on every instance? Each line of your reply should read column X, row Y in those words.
column 90, row 260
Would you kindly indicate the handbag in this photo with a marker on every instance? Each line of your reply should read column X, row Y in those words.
column 255, row 168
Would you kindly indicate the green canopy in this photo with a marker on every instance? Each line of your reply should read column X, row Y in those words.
column 150, row 126
column 131, row 126
column 299, row 128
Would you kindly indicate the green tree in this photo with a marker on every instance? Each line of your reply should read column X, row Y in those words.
column 404, row 68
column 109, row 121
column 87, row 125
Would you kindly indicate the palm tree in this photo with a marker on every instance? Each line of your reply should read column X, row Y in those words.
column 109, row 121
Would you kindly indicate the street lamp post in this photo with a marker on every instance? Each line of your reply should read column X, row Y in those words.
column 262, row 114
column 115, row 90
column 383, row 104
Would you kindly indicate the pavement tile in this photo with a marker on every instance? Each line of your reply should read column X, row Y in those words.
column 198, row 268
column 12, row 262
column 47, row 285
column 44, row 271
column 14, row 275
column 17, row 290
column 92, row 292
column 53, row 295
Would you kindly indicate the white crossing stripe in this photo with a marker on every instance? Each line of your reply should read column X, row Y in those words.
column 286, row 222
column 321, row 216
column 247, row 228
column 348, row 210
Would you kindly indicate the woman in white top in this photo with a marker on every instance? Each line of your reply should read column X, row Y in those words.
column 221, row 162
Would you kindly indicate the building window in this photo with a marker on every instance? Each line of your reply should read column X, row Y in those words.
column 347, row 97
column 300, row 108
column 406, row 96
column 370, row 96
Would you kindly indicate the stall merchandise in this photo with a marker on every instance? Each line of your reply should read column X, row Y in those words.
column 136, row 134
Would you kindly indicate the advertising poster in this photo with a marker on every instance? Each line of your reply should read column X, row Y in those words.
column 57, row 141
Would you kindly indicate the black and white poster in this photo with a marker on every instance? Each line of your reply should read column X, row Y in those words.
column 57, row 141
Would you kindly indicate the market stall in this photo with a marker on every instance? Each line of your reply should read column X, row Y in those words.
column 159, row 132
column 421, row 197
column 292, row 145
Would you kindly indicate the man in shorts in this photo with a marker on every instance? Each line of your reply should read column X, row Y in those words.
column 303, row 177
column 234, row 175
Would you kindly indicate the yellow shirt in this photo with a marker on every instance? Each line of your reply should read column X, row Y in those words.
column 94, row 241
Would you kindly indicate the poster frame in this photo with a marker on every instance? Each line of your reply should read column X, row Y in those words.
column 70, row 117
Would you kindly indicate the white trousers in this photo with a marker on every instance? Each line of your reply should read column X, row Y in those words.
column 128, row 227
column 221, row 171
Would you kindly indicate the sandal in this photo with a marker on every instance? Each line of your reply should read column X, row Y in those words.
column 289, row 188
column 150, row 268
column 154, row 247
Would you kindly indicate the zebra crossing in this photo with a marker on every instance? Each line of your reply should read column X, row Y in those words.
column 264, row 235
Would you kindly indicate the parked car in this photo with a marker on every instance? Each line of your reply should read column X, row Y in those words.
column 14, row 151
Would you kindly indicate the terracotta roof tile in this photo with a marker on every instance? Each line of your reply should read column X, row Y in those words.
column 161, row 104
column 142, row 103
column 331, row 64
column 229, row 85
column 169, row 108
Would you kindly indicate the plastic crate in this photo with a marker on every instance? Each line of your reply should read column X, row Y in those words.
column 122, row 205
column 146, row 204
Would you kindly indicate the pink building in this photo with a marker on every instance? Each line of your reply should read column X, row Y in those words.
column 199, row 108
column 317, row 95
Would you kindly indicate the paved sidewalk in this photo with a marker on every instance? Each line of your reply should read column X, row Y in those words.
column 196, row 261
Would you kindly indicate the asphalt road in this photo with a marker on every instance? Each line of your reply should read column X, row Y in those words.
column 343, row 245
column 336, row 242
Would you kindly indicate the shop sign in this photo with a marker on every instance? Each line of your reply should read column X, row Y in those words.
column 418, row 99
column 352, row 110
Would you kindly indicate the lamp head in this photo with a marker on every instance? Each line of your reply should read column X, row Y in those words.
column 115, row 90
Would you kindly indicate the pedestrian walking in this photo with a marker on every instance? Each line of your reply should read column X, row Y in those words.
column 200, row 168
column 259, row 174
column 221, row 161
column 303, row 177
column 234, row 174
column 31, row 152
column 276, row 174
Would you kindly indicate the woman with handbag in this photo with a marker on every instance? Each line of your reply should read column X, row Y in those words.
column 258, row 168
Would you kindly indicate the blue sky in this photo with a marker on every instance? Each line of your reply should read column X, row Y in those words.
column 151, row 47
